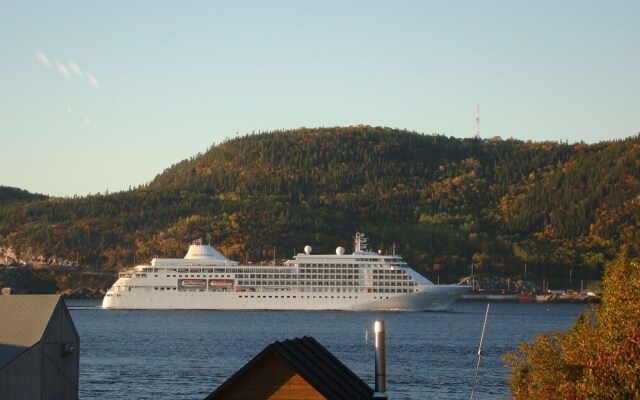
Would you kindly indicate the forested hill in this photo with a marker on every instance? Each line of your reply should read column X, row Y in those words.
column 441, row 202
column 11, row 194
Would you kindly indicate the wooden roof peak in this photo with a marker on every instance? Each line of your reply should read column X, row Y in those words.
column 315, row 364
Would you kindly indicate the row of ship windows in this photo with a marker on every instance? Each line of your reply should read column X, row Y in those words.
column 322, row 283
column 282, row 276
column 315, row 282
column 163, row 288
column 311, row 267
column 305, row 297
column 319, row 276
column 379, row 269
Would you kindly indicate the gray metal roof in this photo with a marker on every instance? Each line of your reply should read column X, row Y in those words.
column 316, row 365
column 23, row 321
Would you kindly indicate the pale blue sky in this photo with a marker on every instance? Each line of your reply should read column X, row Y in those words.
column 101, row 95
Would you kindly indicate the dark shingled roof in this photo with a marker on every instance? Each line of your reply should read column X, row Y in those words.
column 321, row 369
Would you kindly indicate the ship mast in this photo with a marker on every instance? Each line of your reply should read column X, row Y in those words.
column 361, row 242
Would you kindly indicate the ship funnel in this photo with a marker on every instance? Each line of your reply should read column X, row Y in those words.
column 381, row 368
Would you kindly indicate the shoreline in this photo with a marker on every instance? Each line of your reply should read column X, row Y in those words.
column 515, row 298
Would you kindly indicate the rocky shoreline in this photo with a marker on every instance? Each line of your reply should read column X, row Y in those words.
column 83, row 294
column 70, row 282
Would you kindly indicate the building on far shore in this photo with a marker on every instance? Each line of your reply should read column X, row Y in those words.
column 39, row 348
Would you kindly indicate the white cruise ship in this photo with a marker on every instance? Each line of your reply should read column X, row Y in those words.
column 205, row 279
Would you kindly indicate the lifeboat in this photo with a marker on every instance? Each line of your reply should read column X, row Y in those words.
column 193, row 283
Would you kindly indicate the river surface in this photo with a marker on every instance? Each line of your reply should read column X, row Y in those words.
column 187, row 354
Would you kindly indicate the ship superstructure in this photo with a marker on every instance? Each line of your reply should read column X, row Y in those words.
column 205, row 279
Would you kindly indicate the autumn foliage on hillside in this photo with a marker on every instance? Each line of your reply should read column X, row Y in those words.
column 443, row 203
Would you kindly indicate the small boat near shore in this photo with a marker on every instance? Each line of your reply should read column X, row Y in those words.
column 526, row 298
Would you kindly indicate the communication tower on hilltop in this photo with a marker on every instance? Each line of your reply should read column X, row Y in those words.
column 478, row 122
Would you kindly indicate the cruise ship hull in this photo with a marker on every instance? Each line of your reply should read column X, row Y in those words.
column 205, row 279
column 427, row 298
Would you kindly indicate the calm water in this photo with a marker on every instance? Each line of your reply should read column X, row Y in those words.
column 187, row 354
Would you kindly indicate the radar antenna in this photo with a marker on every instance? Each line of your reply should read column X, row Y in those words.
column 361, row 242
column 478, row 122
